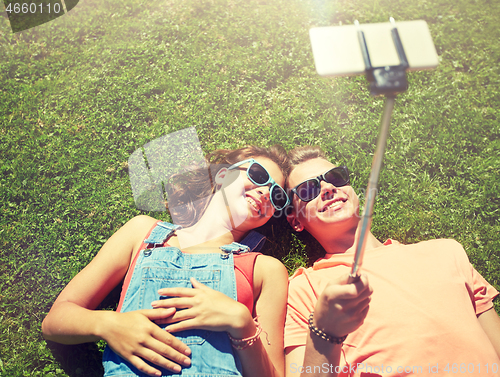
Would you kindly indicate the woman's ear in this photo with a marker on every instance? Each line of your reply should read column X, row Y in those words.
column 294, row 221
column 220, row 176
column 225, row 177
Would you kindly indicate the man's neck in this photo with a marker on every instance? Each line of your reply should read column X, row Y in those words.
column 341, row 242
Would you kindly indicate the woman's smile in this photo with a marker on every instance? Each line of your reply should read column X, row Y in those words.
column 255, row 205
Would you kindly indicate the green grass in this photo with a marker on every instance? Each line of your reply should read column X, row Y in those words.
column 81, row 93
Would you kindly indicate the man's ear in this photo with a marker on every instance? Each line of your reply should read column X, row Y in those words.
column 294, row 221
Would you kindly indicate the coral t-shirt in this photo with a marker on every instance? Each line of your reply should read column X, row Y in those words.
column 422, row 316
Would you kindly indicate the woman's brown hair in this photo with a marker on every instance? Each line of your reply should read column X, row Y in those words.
column 189, row 193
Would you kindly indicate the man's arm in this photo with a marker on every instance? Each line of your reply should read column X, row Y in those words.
column 341, row 308
column 317, row 358
column 294, row 360
column 490, row 323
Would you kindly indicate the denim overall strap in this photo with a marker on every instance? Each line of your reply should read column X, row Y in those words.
column 234, row 247
column 168, row 267
column 252, row 242
column 161, row 233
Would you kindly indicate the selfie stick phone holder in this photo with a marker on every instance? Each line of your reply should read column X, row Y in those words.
column 388, row 81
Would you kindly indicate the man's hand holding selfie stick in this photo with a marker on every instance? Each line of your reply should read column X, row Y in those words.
column 344, row 303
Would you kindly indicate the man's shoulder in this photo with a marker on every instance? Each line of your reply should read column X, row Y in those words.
column 438, row 241
column 442, row 248
column 310, row 279
column 439, row 244
column 300, row 278
column 299, row 274
column 303, row 288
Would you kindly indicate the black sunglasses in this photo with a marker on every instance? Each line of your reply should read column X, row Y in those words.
column 311, row 188
column 260, row 176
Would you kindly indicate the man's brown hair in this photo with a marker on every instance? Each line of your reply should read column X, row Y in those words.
column 296, row 157
column 301, row 154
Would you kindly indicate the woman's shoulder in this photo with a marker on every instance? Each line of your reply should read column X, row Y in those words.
column 136, row 229
column 268, row 261
column 141, row 221
column 268, row 267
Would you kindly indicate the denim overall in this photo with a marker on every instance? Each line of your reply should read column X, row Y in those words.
column 167, row 267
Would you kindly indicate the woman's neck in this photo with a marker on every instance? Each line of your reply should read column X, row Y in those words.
column 214, row 229
column 200, row 240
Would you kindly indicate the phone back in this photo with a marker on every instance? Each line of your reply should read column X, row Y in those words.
column 337, row 51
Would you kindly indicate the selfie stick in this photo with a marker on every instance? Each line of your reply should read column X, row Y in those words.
column 388, row 81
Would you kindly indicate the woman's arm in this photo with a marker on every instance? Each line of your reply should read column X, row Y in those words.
column 72, row 319
column 263, row 359
column 205, row 308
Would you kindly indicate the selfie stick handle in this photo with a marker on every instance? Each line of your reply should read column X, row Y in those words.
column 388, row 81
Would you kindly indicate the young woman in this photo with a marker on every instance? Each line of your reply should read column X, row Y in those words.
column 194, row 301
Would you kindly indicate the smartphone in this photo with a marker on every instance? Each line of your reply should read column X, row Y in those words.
column 337, row 50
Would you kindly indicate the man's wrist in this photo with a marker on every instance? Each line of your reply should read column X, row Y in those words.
column 321, row 334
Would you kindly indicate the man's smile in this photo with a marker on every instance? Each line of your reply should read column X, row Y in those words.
column 333, row 204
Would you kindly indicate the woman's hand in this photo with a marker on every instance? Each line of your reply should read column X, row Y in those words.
column 134, row 337
column 205, row 309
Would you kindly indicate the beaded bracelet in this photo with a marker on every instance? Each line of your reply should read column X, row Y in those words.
column 323, row 335
column 241, row 344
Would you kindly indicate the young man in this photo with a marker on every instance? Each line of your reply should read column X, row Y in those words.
column 418, row 309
